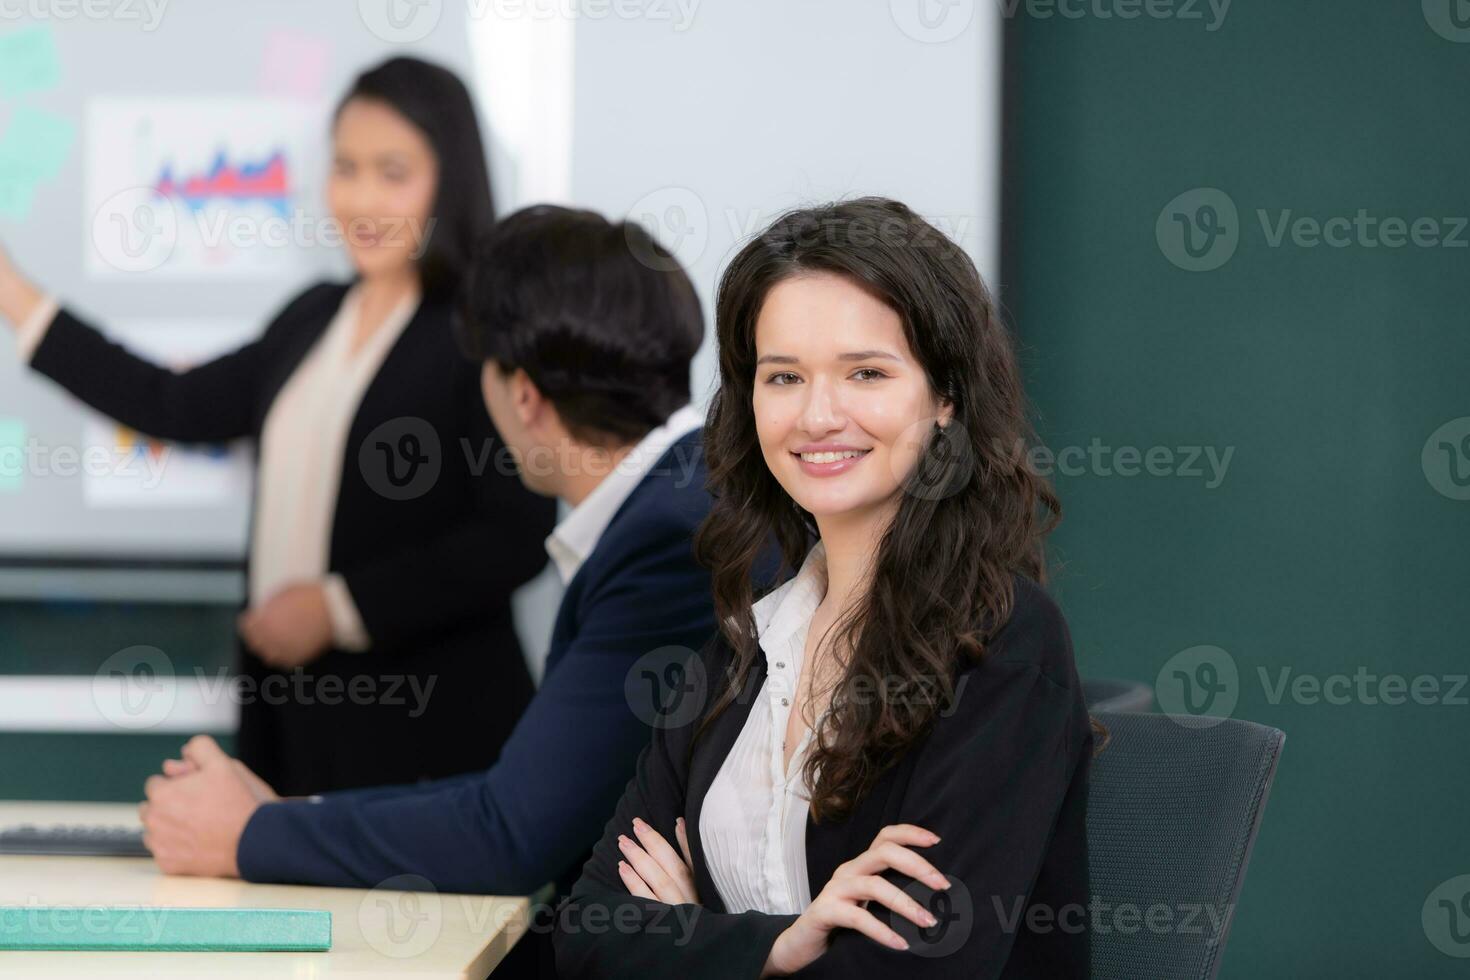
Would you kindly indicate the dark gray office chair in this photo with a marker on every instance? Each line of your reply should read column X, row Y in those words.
column 1106, row 694
column 1172, row 813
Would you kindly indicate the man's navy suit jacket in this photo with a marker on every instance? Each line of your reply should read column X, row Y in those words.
column 534, row 815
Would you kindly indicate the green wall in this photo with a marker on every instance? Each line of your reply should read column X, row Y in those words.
column 75, row 638
column 1326, row 548
column 85, row 766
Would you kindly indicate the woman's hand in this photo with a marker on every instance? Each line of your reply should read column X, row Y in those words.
column 291, row 628
column 655, row 870
column 843, row 902
column 18, row 298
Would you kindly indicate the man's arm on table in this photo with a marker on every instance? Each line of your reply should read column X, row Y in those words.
column 513, row 828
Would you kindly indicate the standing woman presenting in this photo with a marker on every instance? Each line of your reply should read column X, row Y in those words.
column 377, row 641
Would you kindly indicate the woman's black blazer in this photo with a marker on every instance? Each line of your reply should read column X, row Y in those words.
column 1001, row 778
column 430, row 554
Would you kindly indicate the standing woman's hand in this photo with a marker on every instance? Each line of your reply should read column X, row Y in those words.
column 18, row 297
column 843, row 902
column 291, row 628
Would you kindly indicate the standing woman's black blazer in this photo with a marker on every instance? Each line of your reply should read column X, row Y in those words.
column 1002, row 779
column 431, row 575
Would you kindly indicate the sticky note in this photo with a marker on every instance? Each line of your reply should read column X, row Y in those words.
column 28, row 61
column 35, row 144
column 33, row 147
column 294, row 65
column 15, row 198
column 12, row 454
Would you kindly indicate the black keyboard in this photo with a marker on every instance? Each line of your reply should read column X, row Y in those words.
column 88, row 841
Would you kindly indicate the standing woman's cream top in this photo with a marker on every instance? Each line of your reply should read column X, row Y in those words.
column 752, row 825
column 302, row 446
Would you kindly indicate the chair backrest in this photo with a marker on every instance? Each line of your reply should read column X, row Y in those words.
column 1109, row 694
column 1173, row 810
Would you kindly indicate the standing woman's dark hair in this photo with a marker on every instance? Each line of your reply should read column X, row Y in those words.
column 970, row 517
column 436, row 101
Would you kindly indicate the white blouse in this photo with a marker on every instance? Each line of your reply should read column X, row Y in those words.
column 752, row 825
column 301, row 451
column 302, row 445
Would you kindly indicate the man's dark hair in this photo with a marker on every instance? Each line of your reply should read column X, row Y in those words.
column 601, row 318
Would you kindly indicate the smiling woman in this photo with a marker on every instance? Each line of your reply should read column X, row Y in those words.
column 897, row 747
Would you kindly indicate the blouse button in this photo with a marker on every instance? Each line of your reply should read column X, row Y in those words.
column 781, row 664
column 784, row 702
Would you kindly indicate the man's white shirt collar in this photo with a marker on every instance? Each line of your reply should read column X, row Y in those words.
column 577, row 535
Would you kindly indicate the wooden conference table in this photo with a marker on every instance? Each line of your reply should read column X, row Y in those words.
column 375, row 933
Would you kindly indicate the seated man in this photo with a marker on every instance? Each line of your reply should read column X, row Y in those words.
column 586, row 350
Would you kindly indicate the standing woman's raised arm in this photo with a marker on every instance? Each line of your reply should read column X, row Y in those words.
column 20, row 300
column 212, row 402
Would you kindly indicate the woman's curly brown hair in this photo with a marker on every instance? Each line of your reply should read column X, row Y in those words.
column 970, row 516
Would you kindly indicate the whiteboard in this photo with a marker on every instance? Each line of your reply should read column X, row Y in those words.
column 163, row 178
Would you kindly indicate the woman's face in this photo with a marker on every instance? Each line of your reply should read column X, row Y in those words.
column 381, row 192
column 842, row 406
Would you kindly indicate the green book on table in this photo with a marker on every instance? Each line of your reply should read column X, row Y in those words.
column 132, row 927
